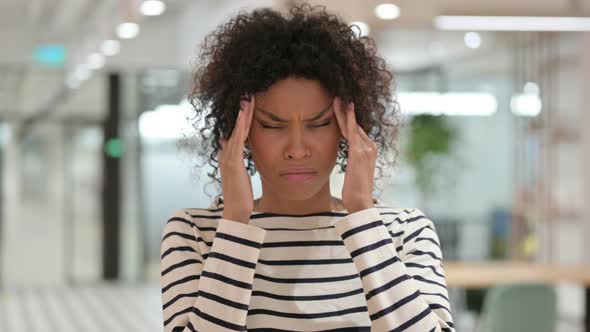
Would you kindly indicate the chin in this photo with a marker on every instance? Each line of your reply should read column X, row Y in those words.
column 300, row 191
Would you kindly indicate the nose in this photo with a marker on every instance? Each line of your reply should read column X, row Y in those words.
column 296, row 147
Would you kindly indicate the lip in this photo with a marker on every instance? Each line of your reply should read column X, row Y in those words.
column 299, row 177
column 299, row 170
column 298, row 174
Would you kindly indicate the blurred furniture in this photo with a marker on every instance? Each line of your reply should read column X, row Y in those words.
column 448, row 233
column 490, row 274
column 520, row 307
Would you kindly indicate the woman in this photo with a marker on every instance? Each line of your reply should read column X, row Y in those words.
column 294, row 95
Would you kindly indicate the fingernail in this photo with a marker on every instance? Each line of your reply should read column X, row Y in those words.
column 243, row 105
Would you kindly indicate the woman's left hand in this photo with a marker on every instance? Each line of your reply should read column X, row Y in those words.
column 357, row 192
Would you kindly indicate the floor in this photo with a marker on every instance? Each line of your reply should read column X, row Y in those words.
column 102, row 307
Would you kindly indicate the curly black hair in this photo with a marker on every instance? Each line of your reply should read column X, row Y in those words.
column 253, row 50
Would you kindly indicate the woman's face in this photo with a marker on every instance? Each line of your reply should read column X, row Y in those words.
column 294, row 125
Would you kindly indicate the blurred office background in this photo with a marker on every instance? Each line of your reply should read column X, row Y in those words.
column 494, row 149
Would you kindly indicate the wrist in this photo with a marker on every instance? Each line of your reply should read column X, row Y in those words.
column 236, row 218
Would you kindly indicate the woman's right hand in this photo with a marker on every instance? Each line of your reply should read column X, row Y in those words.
column 238, row 198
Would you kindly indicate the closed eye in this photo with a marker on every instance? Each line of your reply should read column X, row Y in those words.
column 316, row 126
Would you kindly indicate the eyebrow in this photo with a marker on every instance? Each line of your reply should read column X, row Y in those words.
column 278, row 119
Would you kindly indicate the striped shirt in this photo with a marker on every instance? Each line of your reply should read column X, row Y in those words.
column 378, row 269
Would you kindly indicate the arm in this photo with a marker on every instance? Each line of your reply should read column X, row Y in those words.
column 210, row 293
column 406, row 293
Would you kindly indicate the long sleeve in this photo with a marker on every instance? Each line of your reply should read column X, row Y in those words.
column 406, row 293
column 207, row 291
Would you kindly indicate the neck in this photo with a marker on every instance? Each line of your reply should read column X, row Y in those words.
column 320, row 202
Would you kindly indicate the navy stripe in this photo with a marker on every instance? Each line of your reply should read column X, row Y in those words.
column 181, row 328
column 226, row 280
column 394, row 213
column 361, row 228
column 233, row 260
column 410, row 264
column 218, row 321
column 301, row 244
column 185, row 221
column 396, row 234
column 318, row 214
column 181, row 220
column 420, row 278
column 206, row 216
column 433, row 306
column 178, row 282
column 307, row 315
column 224, row 301
column 370, row 247
column 309, row 297
column 379, row 266
column 341, row 329
column 297, row 229
column 182, row 248
column 435, row 294
column 239, row 240
column 412, row 321
column 178, row 297
column 420, row 252
column 305, row 280
column 427, row 239
column 183, row 235
column 395, row 306
column 190, row 327
column 305, row 262
column 181, row 264
column 206, row 229
column 208, row 243
column 414, row 234
column 387, row 286
column 404, row 221
column 176, row 314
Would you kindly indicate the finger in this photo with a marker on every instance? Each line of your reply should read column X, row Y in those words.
column 351, row 124
column 362, row 134
column 340, row 118
column 237, row 128
column 366, row 138
column 249, row 116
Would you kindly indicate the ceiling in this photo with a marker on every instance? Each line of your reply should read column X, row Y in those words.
column 171, row 40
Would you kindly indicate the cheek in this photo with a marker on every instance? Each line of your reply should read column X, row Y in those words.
column 263, row 148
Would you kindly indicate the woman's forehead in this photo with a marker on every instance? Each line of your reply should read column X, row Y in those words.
column 294, row 89
column 308, row 115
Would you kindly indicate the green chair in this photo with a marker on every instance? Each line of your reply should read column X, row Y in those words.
column 520, row 308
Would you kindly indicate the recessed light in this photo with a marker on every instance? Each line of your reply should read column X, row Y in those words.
column 472, row 39
column 127, row 30
column 387, row 11
column 512, row 23
column 110, row 47
column 152, row 7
